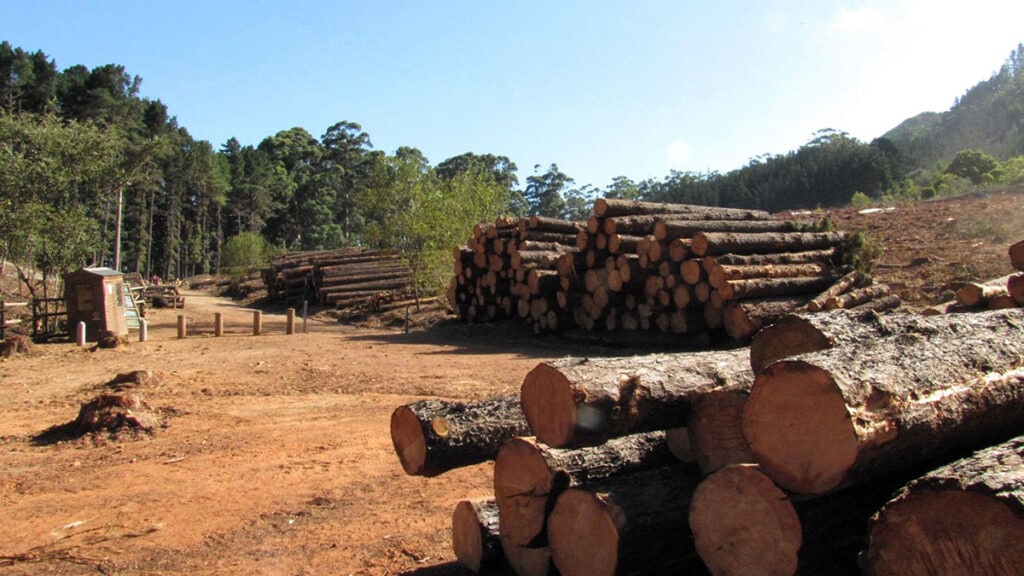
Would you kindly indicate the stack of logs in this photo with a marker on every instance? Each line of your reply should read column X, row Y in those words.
column 340, row 278
column 667, row 268
column 839, row 442
column 996, row 294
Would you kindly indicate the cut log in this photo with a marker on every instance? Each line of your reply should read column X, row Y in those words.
column 964, row 518
column 879, row 305
column 1017, row 256
column 979, row 293
column 857, row 297
column 636, row 225
column 666, row 228
column 529, row 476
column 475, row 538
column 715, row 431
column 556, row 225
column 840, row 416
column 713, row 243
column 719, row 274
column 743, row 523
column 772, row 287
column 809, row 256
column 743, row 318
column 841, row 286
column 629, row 525
column 431, row 437
column 1015, row 287
column 609, row 207
column 580, row 401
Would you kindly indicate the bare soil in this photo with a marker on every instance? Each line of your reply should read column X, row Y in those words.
column 274, row 456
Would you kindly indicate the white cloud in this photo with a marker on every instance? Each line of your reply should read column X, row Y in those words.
column 679, row 154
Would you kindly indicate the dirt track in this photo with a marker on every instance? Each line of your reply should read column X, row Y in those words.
column 275, row 457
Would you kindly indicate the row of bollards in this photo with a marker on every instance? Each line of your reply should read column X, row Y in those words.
column 218, row 325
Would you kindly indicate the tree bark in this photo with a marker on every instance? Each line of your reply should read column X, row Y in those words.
column 720, row 274
column 964, row 518
column 431, row 437
column 743, row 523
column 609, row 207
column 1017, row 256
column 857, row 297
column 714, row 243
column 743, row 318
column 475, row 538
column 879, row 305
column 529, row 476
column 666, row 228
column 844, row 415
column 827, row 255
column 635, row 225
column 772, row 287
column 627, row 525
column 557, row 225
column 580, row 401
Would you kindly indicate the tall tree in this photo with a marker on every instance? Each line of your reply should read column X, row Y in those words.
column 544, row 191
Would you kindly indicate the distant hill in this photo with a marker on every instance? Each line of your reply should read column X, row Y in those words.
column 989, row 117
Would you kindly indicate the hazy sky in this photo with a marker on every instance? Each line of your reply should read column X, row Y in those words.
column 633, row 88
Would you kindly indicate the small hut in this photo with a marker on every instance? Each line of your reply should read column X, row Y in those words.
column 96, row 296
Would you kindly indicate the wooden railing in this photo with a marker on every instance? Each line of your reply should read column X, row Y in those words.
column 4, row 321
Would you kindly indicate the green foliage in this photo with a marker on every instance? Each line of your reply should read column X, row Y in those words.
column 860, row 200
column 976, row 166
column 1013, row 171
column 860, row 252
column 245, row 252
column 544, row 192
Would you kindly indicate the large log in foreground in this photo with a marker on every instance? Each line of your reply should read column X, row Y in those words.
column 844, row 415
column 431, row 437
column 580, row 401
column 627, row 525
column 964, row 518
column 802, row 333
column 529, row 476
column 743, row 523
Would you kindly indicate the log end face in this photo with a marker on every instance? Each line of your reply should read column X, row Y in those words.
column 798, row 427
column 467, row 540
column 549, row 405
column 743, row 523
column 583, row 535
column 790, row 336
column 522, row 485
column 409, row 442
column 945, row 532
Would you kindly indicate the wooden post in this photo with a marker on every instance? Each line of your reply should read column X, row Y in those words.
column 80, row 334
column 143, row 330
column 218, row 324
column 290, row 324
column 257, row 323
column 181, row 326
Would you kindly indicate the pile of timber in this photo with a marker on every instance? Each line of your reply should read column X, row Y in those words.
column 996, row 294
column 341, row 278
column 675, row 269
column 842, row 441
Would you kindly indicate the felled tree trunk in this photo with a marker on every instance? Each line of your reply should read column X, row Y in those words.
column 979, row 293
column 713, row 243
column 529, row 476
column 743, row 318
column 431, row 437
column 667, row 228
column 604, row 207
column 857, row 297
column 629, row 524
column 715, row 431
column 843, row 284
column 964, row 518
column 475, row 538
column 844, row 415
column 580, row 401
column 743, row 523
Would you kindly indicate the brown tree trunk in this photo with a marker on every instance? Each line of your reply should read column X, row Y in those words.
column 529, row 476
column 827, row 255
column 844, row 415
column 719, row 274
column 857, row 297
column 714, row 243
column 841, row 286
column 879, row 305
column 580, row 401
column 433, row 436
column 556, row 225
column 609, row 207
column 666, row 228
column 964, row 518
column 743, row 318
column 640, row 225
column 1017, row 256
column 743, row 523
column 628, row 525
column 772, row 287
column 475, row 538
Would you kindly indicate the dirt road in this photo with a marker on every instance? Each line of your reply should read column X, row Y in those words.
column 274, row 456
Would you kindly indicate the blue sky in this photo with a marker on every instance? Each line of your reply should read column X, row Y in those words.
column 603, row 89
